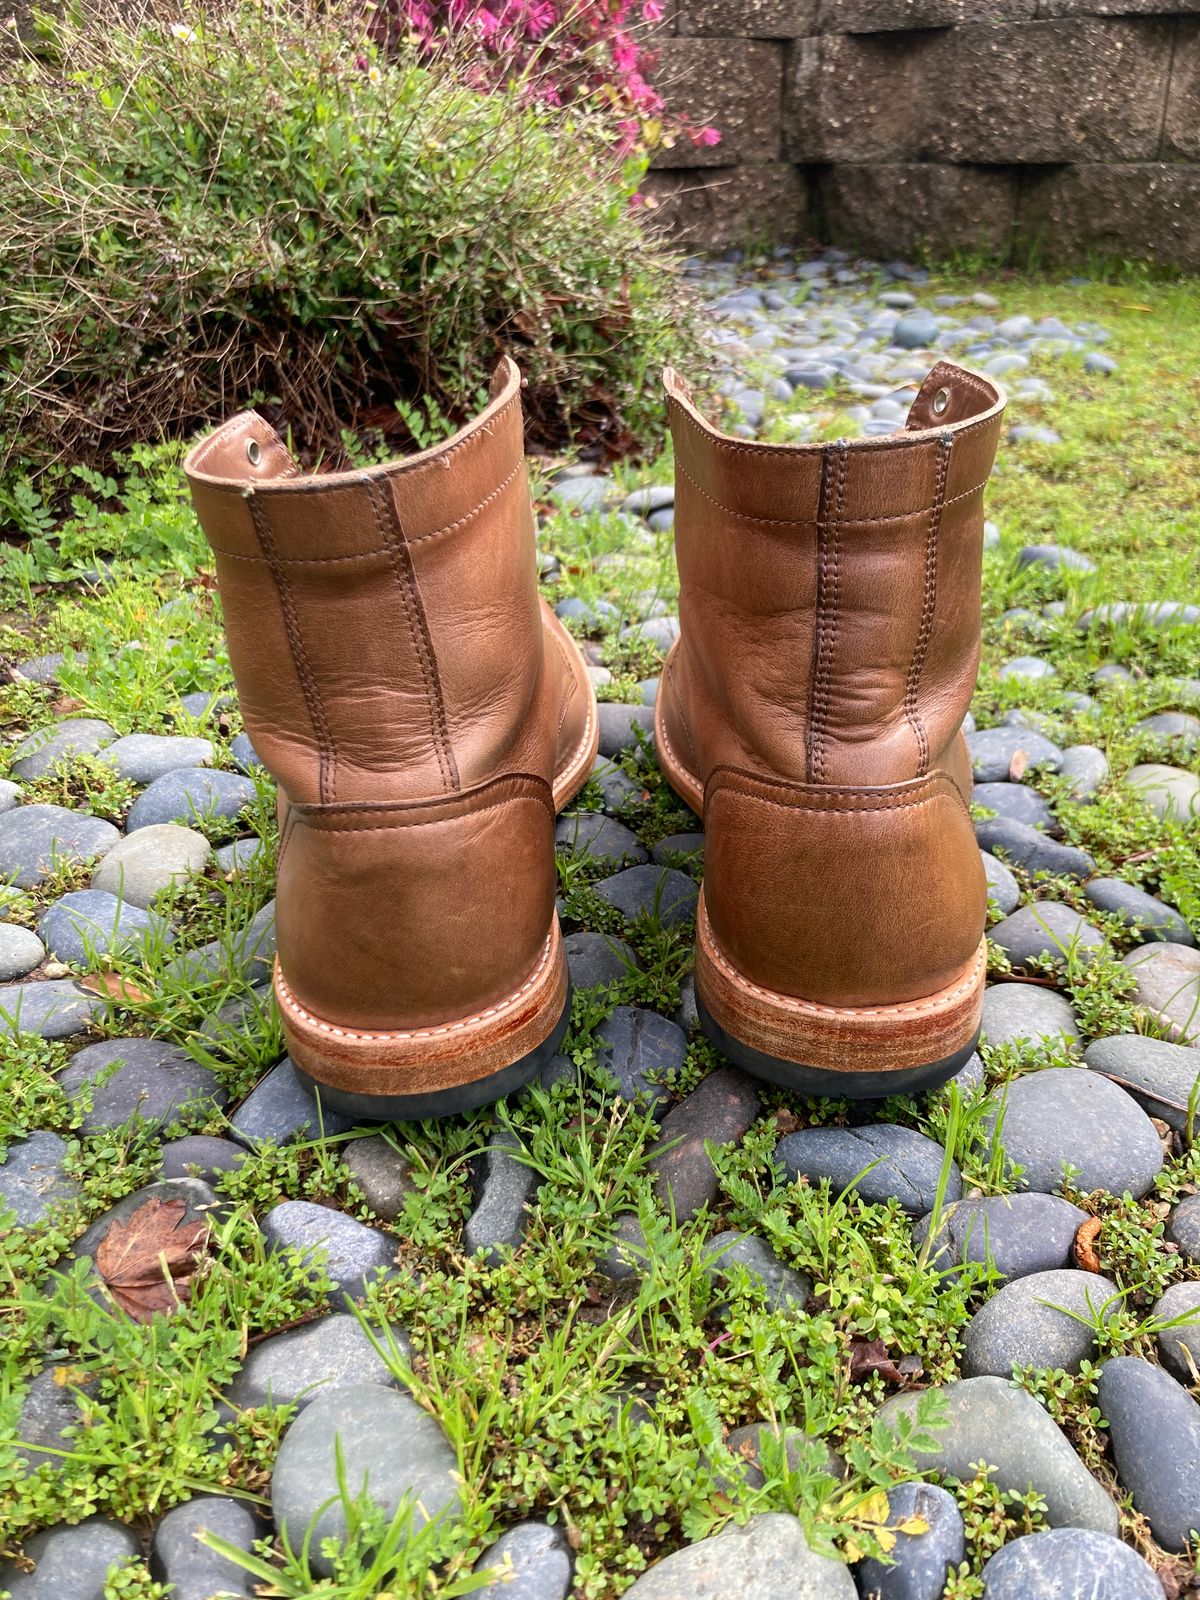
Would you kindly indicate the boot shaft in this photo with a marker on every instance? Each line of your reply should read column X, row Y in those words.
column 829, row 594
column 384, row 626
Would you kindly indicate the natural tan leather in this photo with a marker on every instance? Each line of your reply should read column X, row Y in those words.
column 813, row 704
column 423, row 712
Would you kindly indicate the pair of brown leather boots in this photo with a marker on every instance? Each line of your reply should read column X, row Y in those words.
column 426, row 716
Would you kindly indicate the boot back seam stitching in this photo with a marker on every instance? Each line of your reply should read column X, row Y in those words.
column 400, row 558
column 309, row 688
column 928, row 607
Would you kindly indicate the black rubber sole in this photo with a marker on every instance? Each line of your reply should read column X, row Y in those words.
column 442, row 1102
column 823, row 1084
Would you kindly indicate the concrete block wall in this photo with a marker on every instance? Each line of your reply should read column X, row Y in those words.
column 900, row 125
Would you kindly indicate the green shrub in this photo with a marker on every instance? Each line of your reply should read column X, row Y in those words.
column 256, row 204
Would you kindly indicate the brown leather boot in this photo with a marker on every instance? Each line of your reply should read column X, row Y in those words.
column 425, row 715
column 812, row 712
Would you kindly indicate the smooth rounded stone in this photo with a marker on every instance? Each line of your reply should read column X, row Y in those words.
column 594, row 958
column 687, row 1016
column 661, row 521
column 233, row 857
column 1016, row 801
column 685, row 849
column 71, row 1562
column 1003, row 889
column 49, row 1415
column 1068, row 1116
column 20, row 951
column 1037, row 1321
column 919, row 1562
column 663, row 893
column 532, row 1561
column 1033, row 850
column 587, row 492
column 1057, row 557
column 45, row 668
column 34, row 840
column 243, row 1013
column 1141, row 614
column 719, row 1110
column 767, row 1558
column 661, row 632
column 245, row 757
column 782, row 1286
column 649, row 688
column 191, row 794
column 33, row 1179
column 504, row 1190
column 992, row 751
column 352, row 1255
column 591, row 615
column 383, row 1173
column 991, row 536
column 1026, row 1011
column 1069, row 1564
column 142, row 757
column 1161, row 1076
column 1045, row 930
column 1170, row 792
column 1179, row 728
column 296, row 1367
column 1183, row 1229
column 918, row 332
column 1168, row 985
column 639, row 1048
column 193, row 1570
column 1157, row 921
column 1026, row 433
column 89, row 924
column 1154, row 1426
column 904, row 1165
column 56, row 1009
column 1112, row 672
column 10, row 794
column 969, row 1077
column 627, row 1253
column 148, row 1078
column 617, row 788
column 392, row 1450
column 200, row 1155
column 1032, row 667
column 143, row 864
column 1020, row 1234
column 591, row 833
column 280, row 1109
column 754, row 1440
column 988, row 1419
column 1179, row 1347
column 654, row 497
column 41, row 752
column 617, row 725
column 1085, row 769
column 1008, row 361
column 250, row 954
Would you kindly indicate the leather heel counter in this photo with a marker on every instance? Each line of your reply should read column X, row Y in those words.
column 849, row 896
column 410, row 916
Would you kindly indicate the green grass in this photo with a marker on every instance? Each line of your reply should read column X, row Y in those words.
column 532, row 1367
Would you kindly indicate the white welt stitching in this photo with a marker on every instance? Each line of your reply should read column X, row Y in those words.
column 789, row 1002
column 297, row 1010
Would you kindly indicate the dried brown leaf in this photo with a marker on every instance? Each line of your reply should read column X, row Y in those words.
column 148, row 1261
column 1018, row 766
column 114, row 986
column 1086, row 1258
column 871, row 1355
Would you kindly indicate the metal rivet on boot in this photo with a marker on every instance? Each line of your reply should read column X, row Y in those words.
column 254, row 452
column 941, row 401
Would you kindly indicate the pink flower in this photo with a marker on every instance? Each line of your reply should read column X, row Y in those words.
column 705, row 136
column 652, row 11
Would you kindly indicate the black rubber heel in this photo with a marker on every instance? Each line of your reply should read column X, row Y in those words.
column 442, row 1102
column 823, row 1084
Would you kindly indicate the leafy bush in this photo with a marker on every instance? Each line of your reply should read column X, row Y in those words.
column 260, row 203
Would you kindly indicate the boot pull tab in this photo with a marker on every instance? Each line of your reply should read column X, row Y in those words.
column 247, row 450
column 949, row 394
